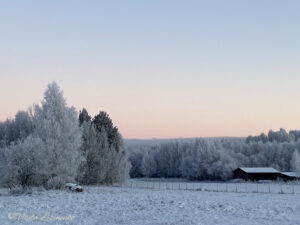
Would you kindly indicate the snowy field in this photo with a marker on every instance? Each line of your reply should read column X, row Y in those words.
column 138, row 206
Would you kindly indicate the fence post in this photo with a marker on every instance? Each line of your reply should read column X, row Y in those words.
column 293, row 189
column 281, row 189
column 269, row 188
column 236, row 190
column 256, row 188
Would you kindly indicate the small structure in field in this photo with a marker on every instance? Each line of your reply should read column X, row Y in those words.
column 256, row 173
column 74, row 187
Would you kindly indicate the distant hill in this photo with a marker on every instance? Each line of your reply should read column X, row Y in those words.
column 129, row 143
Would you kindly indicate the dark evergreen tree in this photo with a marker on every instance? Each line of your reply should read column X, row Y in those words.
column 84, row 116
column 105, row 159
column 102, row 122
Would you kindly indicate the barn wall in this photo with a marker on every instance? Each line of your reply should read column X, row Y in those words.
column 263, row 176
column 240, row 174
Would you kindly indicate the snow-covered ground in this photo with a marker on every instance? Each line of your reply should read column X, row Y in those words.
column 138, row 206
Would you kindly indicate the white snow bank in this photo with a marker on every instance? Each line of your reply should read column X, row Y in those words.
column 74, row 187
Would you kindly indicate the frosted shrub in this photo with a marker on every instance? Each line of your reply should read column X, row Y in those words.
column 19, row 190
column 23, row 164
column 55, row 183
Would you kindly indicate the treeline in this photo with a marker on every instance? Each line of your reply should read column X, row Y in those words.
column 50, row 145
column 212, row 159
column 280, row 136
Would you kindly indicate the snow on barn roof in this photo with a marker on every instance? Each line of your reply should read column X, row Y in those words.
column 259, row 170
column 291, row 174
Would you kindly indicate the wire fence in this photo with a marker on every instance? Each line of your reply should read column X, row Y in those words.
column 247, row 187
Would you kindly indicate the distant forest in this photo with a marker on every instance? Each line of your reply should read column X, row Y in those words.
column 215, row 158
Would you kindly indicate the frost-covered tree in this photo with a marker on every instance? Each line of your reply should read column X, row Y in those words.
column 102, row 121
column 94, row 166
column 222, row 169
column 105, row 159
column 295, row 162
column 23, row 163
column 263, row 138
column 6, row 133
column 275, row 136
column 117, row 157
column 136, row 156
column 168, row 159
column 148, row 165
column 295, row 134
column 23, row 125
column 17, row 129
column 57, row 126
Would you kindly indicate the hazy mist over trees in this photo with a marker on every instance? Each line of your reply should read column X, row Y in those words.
column 51, row 143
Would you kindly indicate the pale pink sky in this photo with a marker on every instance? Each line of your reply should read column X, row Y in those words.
column 163, row 106
column 160, row 68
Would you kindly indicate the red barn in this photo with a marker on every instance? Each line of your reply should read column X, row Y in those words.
column 256, row 173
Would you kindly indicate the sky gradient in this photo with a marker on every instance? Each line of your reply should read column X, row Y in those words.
column 161, row 69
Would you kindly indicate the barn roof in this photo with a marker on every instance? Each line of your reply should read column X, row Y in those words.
column 259, row 170
column 291, row 174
